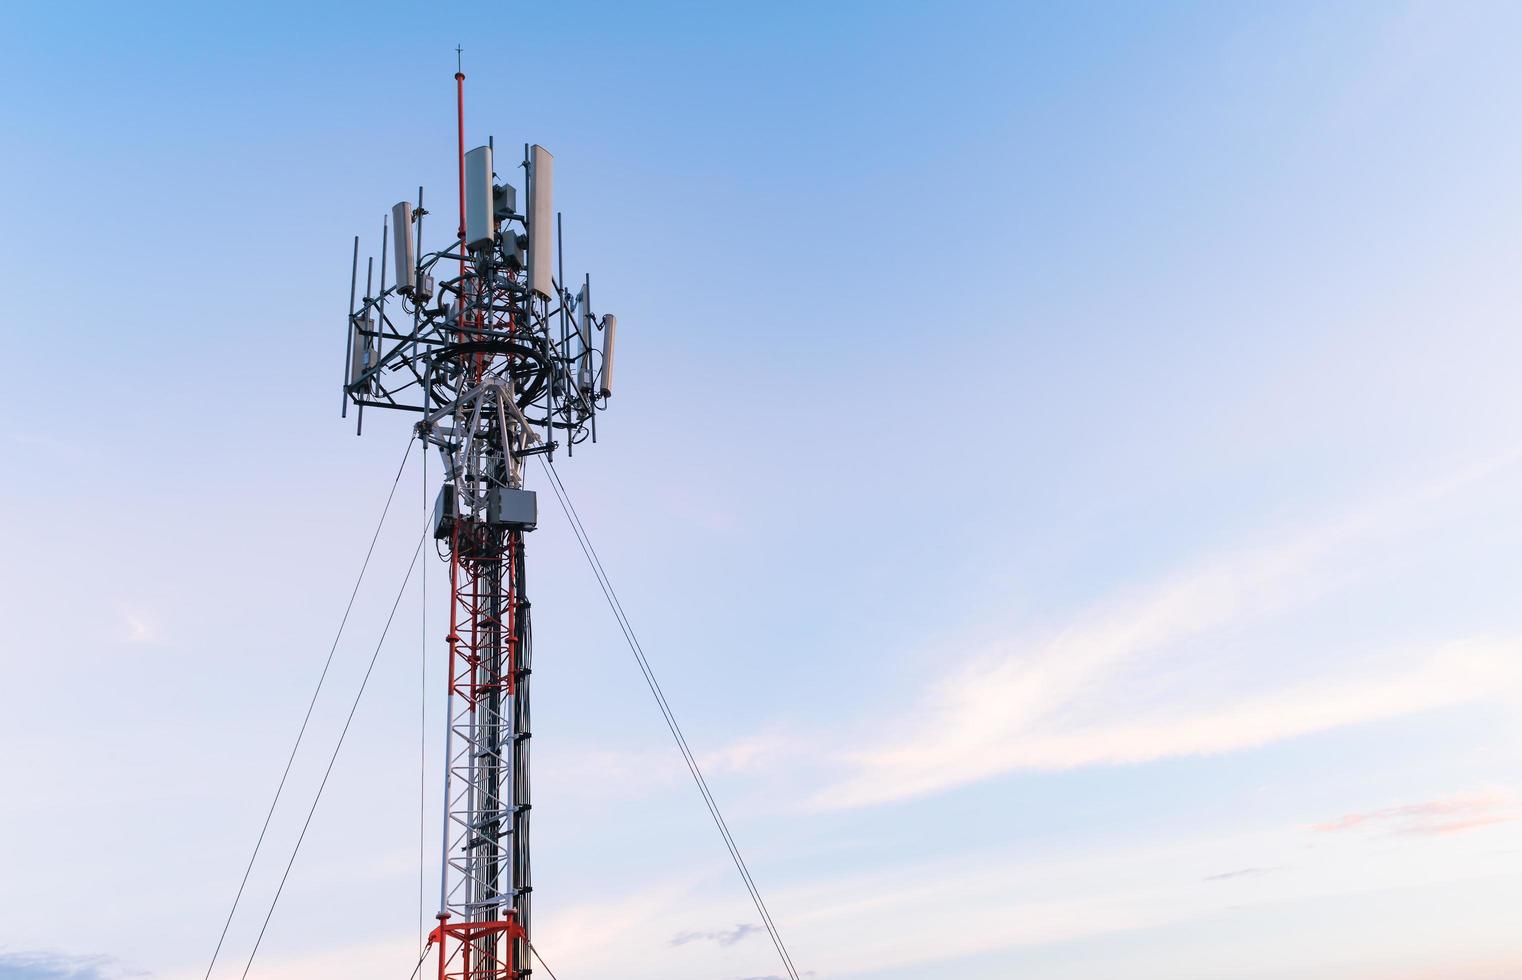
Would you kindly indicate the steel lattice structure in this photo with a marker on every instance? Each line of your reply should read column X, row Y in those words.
column 503, row 363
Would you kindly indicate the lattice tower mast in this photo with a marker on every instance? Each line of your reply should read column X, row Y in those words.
column 502, row 362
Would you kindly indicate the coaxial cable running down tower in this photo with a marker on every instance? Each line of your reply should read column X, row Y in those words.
column 503, row 362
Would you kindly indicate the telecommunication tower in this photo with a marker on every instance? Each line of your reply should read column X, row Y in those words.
column 503, row 362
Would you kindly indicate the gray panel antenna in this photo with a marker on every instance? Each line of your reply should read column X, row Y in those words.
column 584, row 331
column 541, row 221
column 609, row 328
column 360, row 349
column 406, row 255
column 480, row 207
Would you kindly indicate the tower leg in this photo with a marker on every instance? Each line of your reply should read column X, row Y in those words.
column 484, row 923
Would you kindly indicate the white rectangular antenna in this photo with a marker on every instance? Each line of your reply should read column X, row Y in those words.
column 406, row 256
column 584, row 331
column 541, row 221
column 609, row 327
column 480, row 216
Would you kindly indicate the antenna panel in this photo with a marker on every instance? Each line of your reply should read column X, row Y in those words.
column 609, row 327
column 359, row 350
column 584, row 330
column 406, row 256
column 480, row 216
column 541, row 221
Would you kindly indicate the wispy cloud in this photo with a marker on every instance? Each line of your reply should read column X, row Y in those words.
column 1452, row 815
column 1240, row 873
column 44, row 965
column 835, row 922
column 136, row 625
column 1507, row 968
column 1056, row 701
column 974, row 904
column 724, row 937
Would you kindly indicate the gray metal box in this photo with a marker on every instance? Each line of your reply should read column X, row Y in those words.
column 515, row 508
column 512, row 249
column 506, row 198
column 444, row 512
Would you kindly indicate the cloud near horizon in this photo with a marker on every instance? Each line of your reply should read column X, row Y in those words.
column 47, row 965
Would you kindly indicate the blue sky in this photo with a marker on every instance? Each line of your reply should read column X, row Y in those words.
column 1064, row 472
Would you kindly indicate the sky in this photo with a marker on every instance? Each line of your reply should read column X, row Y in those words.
column 1063, row 470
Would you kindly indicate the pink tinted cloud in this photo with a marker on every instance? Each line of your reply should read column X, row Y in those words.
column 1434, row 817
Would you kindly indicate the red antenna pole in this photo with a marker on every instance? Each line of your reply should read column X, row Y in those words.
column 459, row 103
column 442, row 933
column 459, row 87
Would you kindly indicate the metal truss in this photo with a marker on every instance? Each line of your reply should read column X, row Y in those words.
column 487, row 882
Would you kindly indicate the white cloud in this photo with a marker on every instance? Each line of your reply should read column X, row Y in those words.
column 1462, row 673
column 1056, row 702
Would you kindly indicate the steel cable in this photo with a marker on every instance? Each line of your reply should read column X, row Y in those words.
column 301, row 733
column 419, row 964
column 535, row 950
column 671, row 723
column 334, row 757
column 422, row 765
